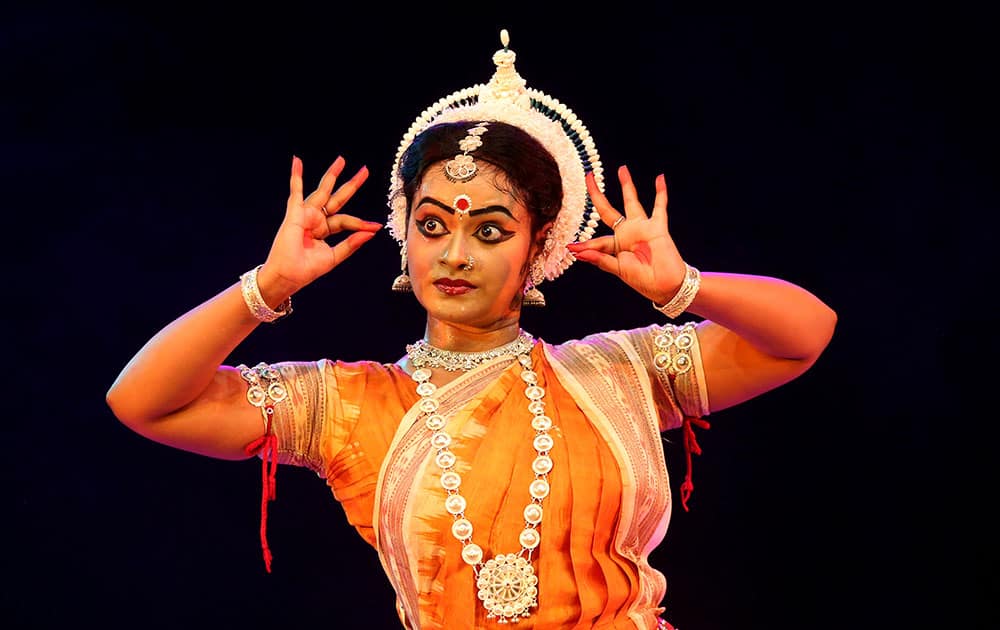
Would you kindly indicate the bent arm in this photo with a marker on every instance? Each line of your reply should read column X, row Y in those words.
column 762, row 332
column 176, row 391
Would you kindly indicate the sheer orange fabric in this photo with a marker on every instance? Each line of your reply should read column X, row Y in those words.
column 345, row 422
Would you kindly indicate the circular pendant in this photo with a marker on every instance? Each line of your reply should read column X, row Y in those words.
column 508, row 587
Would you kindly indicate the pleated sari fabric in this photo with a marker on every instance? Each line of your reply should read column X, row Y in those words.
column 356, row 425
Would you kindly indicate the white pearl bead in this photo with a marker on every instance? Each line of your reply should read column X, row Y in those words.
column 455, row 504
column 542, row 465
column 533, row 513
column 451, row 480
column 529, row 538
column 461, row 529
column 543, row 443
column 472, row 554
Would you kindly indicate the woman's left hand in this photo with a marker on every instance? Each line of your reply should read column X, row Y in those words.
column 640, row 250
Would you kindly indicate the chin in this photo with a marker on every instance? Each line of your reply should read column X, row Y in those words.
column 455, row 312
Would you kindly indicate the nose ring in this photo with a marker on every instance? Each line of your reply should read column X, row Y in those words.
column 469, row 263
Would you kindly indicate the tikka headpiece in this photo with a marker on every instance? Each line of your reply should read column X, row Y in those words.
column 507, row 99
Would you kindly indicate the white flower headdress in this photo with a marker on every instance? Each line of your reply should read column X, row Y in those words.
column 507, row 99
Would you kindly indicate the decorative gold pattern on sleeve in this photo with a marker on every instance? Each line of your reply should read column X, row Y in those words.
column 299, row 424
column 678, row 358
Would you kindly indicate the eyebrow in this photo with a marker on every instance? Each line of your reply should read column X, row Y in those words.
column 472, row 213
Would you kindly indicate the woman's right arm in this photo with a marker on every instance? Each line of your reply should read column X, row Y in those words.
column 176, row 390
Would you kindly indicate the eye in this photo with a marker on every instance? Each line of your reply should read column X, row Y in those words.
column 430, row 227
column 490, row 233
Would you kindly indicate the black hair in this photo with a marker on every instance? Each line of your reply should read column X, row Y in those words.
column 529, row 169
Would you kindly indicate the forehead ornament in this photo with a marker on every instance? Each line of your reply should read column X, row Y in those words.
column 507, row 98
column 462, row 167
column 462, row 205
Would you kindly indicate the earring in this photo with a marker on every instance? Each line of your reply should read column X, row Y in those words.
column 532, row 296
column 536, row 273
column 402, row 282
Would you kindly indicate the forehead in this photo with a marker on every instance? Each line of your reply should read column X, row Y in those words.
column 488, row 188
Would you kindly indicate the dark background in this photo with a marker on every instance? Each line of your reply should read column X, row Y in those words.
column 146, row 153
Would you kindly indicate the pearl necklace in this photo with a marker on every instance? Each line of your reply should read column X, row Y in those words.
column 506, row 584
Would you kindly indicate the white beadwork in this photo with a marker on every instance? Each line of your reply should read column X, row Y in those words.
column 507, row 99
column 506, row 584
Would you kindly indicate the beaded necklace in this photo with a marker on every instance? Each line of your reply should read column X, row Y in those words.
column 506, row 584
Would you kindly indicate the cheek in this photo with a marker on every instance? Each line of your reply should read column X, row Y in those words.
column 514, row 269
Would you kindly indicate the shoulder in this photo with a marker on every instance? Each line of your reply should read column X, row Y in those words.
column 631, row 335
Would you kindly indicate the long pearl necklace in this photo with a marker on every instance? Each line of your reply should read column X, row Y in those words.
column 506, row 584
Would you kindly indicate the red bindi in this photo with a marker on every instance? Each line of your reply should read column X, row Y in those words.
column 462, row 204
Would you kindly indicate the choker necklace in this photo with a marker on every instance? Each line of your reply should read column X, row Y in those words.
column 506, row 584
column 423, row 354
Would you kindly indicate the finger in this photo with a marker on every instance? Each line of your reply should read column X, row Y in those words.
column 630, row 197
column 329, row 179
column 346, row 191
column 343, row 249
column 318, row 198
column 340, row 222
column 600, row 260
column 603, row 244
column 660, row 203
column 295, row 182
column 604, row 208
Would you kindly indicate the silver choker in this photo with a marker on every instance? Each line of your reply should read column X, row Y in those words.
column 423, row 354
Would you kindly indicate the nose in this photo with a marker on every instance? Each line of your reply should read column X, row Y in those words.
column 456, row 253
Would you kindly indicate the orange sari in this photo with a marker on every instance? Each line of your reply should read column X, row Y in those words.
column 355, row 425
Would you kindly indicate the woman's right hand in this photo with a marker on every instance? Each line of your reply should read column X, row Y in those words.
column 300, row 252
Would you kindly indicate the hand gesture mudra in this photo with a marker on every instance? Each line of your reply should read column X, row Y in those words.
column 639, row 250
column 300, row 252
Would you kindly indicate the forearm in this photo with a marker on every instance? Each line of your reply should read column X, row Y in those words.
column 178, row 364
column 775, row 316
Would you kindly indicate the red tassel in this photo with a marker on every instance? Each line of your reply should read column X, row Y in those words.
column 690, row 447
column 267, row 446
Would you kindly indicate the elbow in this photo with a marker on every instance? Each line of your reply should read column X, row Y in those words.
column 115, row 401
column 124, row 407
column 821, row 333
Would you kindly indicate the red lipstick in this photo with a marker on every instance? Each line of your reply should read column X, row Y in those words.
column 452, row 286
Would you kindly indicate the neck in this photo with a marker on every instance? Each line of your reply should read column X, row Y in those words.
column 458, row 338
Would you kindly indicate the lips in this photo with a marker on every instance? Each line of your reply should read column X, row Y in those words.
column 453, row 286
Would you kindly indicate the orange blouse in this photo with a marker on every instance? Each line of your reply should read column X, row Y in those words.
column 356, row 426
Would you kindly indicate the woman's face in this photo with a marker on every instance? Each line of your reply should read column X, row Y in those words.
column 495, row 231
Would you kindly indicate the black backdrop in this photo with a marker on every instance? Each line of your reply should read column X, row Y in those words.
column 146, row 157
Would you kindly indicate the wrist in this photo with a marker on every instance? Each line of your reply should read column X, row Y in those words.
column 257, row 302
column 684, row 296
column 273, row 287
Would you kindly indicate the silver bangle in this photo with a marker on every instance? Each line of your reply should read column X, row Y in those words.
column 684, row 296
column 255, row 301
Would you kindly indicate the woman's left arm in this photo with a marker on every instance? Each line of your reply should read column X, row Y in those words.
column 759, row 333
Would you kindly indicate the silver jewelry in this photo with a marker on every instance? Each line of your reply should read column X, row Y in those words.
column 255, row 301
column 265, row 388
column 618, row 221
column 462, row 167
column 532, row 296
column 684, row 296
column 507, row 98
column 402, row 282
column 673, row 348
column 506, row 584
column 325, row 211
column 424, row 355
column 469, row 263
